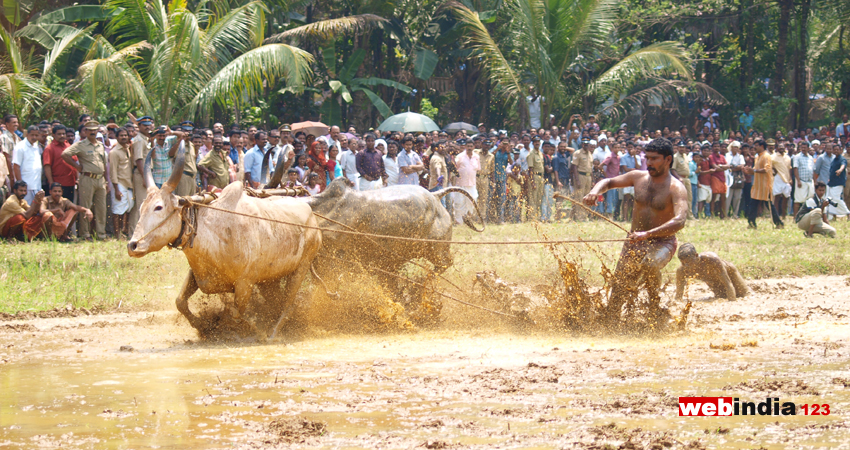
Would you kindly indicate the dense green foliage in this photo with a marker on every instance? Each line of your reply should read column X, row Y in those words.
column 646, row 62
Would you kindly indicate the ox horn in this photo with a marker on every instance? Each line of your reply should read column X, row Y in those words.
column 278, row 172
column 176, row 170
column 148, row 174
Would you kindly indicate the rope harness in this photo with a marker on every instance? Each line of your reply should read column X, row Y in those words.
column 189, row 208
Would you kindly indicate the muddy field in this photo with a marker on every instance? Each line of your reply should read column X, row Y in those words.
column 94, row 379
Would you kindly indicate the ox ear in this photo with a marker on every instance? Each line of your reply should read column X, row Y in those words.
column 176, row 170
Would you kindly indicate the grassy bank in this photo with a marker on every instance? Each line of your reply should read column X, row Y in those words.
column 43, row 275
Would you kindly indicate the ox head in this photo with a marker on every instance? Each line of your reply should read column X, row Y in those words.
column 159, row 218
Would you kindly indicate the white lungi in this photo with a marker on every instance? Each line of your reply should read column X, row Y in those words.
column 704, row 193
column 366, row 185
column 461, row 203
column 126, row 204
column 835, row 192
column 780, row 187
column 807, row 191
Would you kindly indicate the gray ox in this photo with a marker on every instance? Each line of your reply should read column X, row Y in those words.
column 405, row 211
column 231, row 253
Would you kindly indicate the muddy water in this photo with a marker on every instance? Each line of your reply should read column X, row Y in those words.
column 66, row 383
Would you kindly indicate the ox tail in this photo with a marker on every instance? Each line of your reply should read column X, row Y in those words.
column 334, row 295
column 443, row 192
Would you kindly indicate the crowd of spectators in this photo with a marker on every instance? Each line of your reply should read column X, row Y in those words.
column 60, row 181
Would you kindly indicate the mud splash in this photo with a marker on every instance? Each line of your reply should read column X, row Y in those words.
column 67, row 383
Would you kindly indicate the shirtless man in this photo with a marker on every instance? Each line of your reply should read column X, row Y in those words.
column 660, row 210
column 722, row 277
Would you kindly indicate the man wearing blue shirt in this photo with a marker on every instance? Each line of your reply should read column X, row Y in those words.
column 254, row 173
column 409, row 163
column 746, row 119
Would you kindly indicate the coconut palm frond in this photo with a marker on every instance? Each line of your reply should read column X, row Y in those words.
column 243, row 77
column 581, row 27
column 24, row 90
column 326, row 29
column 62, row 45
column 139, row 20
column 114, row 72
column 232, row 32
column 668, row 93
column 13, row 51
column 660, row 60
column 476, row 37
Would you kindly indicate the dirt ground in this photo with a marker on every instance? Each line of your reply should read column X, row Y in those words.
column 93, row 379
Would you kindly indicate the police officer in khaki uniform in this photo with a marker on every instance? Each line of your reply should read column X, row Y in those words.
column 91, row 163
column 215, row 166
column 535, row 174
column 582, row 167
column 139, row 150
column 187, row 185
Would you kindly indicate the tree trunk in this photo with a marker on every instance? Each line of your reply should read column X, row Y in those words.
column 742, row 39
column 844, row 90
column 751, row 44
column 781, row 46
column 800, row 69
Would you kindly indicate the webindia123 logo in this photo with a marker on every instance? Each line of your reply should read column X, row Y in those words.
column 732, row 406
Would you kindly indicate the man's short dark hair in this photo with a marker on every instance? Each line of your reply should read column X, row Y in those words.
column 19, row 184
column 257, row 134
column 55, row 185
column 687, row 250
column 59, row 128
column 84, row 117
column 661, row 146
column 370, row 135
column 760, row 142
column 820, row 184
column 8, row 118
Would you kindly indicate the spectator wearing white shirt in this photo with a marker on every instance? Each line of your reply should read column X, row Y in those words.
column 391, row 163
column 349, row 164
column 26, row 162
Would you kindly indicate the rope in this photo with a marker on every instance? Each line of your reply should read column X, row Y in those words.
column 407, row 239
column 591, row 211
column 425, row 287
column 157, row 226
column 421, row 266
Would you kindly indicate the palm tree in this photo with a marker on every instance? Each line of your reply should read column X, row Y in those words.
column 19, row 80
column 563, row 48
column 176, row 61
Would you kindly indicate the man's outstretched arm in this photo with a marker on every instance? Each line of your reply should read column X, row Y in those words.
column 620, row 181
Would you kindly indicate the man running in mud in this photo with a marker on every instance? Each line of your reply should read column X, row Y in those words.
column 660, row 210
column 722, row 277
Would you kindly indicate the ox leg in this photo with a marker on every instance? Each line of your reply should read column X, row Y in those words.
column 273, row 295
column 293, row 283
column 243, row 291
column 190, row 286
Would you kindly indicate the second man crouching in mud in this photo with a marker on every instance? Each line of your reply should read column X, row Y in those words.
column 722, row 277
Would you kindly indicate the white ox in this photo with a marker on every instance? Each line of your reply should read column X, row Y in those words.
column 231, row 253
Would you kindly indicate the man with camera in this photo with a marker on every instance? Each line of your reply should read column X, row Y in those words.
column 812, row 217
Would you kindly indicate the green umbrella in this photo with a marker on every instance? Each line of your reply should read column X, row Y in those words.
column 409, row 123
